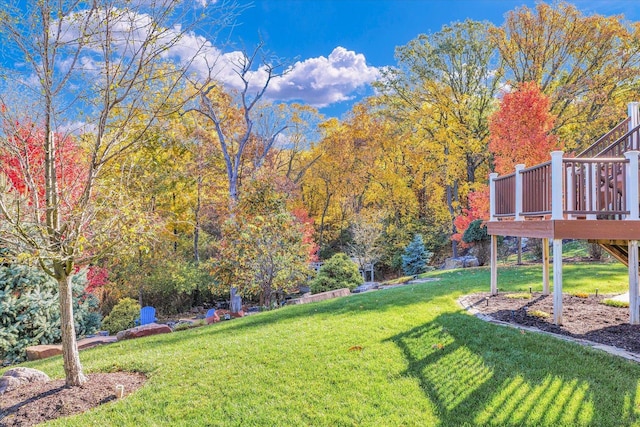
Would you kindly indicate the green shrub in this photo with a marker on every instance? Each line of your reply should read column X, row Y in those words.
column 615, row 303
column 477, row 234
column 539, row 313
column 338, row 272
column 122, row 317
column 416, row 257
column 30, row 314
column 521, row 295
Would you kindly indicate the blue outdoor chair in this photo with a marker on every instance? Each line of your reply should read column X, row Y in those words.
column 147, row 315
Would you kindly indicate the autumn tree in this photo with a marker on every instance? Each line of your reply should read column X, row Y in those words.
column 365, row 247
column 265, row 250
column 586, row 65
column 521, row 129
column 103, row 64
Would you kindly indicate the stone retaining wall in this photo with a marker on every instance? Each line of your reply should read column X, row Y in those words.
column 321, row 296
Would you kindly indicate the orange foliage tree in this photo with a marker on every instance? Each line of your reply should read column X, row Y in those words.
column 520, row 131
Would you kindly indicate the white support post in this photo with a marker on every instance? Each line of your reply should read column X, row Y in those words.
column 492, row 196
column 494, row 265
column 634, row 282
column 556, row 185
column 632, row 185
column 519, row 192
column 545, row 266
column 557, row 281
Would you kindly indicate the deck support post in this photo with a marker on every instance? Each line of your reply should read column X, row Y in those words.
column 494, row 265
column 556, row 185
column 545, row 266
column 494, row 239
column 634, row 282
column 557, row 281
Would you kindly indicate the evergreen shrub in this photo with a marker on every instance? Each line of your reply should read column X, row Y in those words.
column 416, row 257
column 122, row 317
column 336, row 273
column 30, row 313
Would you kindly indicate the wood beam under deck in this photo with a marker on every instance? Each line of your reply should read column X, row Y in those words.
column 623, row 230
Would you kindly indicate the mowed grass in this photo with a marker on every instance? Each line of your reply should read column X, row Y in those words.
column 407, row 356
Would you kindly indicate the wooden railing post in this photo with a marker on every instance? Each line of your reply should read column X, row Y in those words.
column 492, row 196
column 519, row 193
column 556, row 185
column 634, row 114
column 632, row 185
column 634, row 120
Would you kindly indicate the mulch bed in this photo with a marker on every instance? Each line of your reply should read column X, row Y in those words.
column 583, row 318
column 36, row 403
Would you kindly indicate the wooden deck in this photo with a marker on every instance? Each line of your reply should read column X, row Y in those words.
column 594, row 197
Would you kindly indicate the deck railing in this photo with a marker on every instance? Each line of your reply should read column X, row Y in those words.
column 505, row 187
column 569, row 188
column 605, row 141
column 536, row 190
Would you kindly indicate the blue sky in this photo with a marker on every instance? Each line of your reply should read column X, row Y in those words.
column 336, row 46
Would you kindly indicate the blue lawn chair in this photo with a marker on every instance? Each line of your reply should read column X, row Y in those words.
column 147, row 315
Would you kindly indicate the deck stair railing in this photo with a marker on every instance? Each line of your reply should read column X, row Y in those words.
column 628, row 142
column 611, row 137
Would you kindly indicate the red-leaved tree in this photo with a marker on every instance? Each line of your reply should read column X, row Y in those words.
column 520, row 130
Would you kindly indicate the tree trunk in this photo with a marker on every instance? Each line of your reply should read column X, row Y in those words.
column 452, row 213
column 71, row 357
column 519, row 261
column 196, row 227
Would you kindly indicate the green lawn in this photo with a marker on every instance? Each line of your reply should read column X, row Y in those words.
column 423, row 362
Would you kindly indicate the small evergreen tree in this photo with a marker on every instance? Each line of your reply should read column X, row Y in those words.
column 337, row 273
column 30, row 314
column 415, row 257
column 478, row 236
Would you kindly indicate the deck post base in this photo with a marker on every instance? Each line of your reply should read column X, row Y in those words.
column 494, row 265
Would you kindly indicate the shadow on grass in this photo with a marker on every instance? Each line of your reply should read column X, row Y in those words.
column 482, row 374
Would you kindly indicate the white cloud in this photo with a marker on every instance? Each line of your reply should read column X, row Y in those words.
column 319, row 81
column 323, row 81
